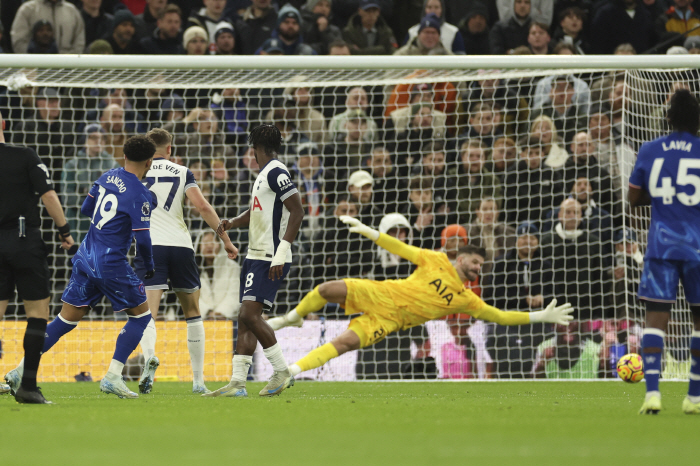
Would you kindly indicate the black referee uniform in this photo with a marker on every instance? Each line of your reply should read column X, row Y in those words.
column 23, row 180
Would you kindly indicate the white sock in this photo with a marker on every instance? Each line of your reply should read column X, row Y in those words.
column 276, row 358
column 195, row 344
column 694, row 399
column 294, row 370
column 114, row 373
column 292, row 315
column 241, row 364
column 148, row 340
column 650, row 394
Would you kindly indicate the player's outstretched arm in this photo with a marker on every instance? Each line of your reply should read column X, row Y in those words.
column 296, row 216
column 242, row 220
column 552, row 314
column 207, row 212
column 391, row 244
column 55, row 210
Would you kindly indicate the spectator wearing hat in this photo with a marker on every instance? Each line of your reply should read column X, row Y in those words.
column 427, row 41
column 489, row 233
column 46, row 132
column 95, row 19
column 100, row 47
column 571, row 30
column 225, row 39
column 359, row 187
column 510, row 33
column 450, row 36
column 123, row 37
column 42, row 38
column 677, row 22
column 475, row 30
column 319, row 31
column 80, row 172
column 165, row 39
column 619, row 22
column 626, row 272
column 288, row 33
column 271, row 47
column 146, row 22
column 65, row 18
column 255, row 26
column 195, row 41
column 452, row 238
column 208, row 18
column 578, row 262
column 367, row 32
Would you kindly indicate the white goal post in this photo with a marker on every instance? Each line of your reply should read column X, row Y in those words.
column 464, row 148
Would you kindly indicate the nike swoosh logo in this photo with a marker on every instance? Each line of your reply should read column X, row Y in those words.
column 245, row 291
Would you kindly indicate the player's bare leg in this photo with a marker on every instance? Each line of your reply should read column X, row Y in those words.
column 691, row 403
column 148, row 343
column 346, row 341
column 251, row 329
column 657, row 317
column 329, row 292
column 195, row 337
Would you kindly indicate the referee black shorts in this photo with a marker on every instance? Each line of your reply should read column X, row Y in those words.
column 23, row 264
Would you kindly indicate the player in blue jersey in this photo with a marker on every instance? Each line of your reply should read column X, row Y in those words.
column 273, row 221
column 667, row 177
column 120, row 208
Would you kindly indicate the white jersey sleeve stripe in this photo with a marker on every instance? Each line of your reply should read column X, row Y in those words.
column 288, row 194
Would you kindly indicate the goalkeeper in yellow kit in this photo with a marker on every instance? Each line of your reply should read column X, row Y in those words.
column 435, row 289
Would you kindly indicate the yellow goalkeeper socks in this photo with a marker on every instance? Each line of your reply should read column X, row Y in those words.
column 312, row 302
column 317, row 357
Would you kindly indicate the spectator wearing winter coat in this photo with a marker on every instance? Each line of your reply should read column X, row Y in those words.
column 42, row 38
column 288, row 33
column 209, row 17
column 450, row 36
column 122, row 37
column 69, row 29
column 510, row 33
column 619, row 22
column 427, row 41
column 165, row 39
column 96, row 21
column 475, row 30
column 319, row 32
column 367, row 32
column 540, row 10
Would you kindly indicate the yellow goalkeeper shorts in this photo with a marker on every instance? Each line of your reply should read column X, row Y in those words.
column 380, row 316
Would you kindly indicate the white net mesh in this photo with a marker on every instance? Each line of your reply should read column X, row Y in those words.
column 461, row 155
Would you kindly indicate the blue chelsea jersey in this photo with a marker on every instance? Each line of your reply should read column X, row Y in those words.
column 668, row 168
column 118, row 204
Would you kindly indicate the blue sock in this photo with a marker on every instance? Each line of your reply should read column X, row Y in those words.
column 694, row 385
column 55, row 330
column 652, row 338
column 130, row 336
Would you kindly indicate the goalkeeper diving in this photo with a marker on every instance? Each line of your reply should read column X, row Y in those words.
column 435, row 289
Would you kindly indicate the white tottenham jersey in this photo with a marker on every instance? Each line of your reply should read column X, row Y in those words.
column 169, row 181
column 268, row 215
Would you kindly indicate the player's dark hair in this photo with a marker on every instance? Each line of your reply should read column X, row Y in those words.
column 684, row 112
column 266, row 137
column 160, row 136
column 139, row 148
column 472, row 249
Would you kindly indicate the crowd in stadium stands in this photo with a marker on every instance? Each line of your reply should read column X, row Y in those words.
column 526, row 168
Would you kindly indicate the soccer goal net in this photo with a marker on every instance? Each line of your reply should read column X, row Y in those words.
column 527, row 159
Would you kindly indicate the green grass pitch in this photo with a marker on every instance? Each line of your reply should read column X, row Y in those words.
column 506, row 423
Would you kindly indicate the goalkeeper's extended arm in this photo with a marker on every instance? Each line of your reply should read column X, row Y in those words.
column 391, row 244
column 552, row 314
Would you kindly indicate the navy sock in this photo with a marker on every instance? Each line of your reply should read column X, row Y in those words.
column 130, row 336
column 652, row 338
column 33, row 341
column 694, row 385
column 55, row 330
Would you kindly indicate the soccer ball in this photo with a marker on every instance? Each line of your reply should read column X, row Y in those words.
column 630, row 368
